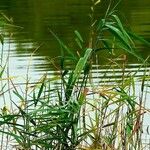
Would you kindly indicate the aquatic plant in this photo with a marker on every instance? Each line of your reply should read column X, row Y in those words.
column 68, row 111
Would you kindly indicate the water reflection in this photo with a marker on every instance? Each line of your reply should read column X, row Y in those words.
column 63, row 17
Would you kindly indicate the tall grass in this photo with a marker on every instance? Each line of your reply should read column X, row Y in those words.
column 69, row 111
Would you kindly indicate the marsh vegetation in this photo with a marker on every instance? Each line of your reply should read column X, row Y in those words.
column 70, row 111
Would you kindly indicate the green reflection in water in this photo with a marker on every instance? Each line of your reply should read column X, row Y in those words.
column 63, row 17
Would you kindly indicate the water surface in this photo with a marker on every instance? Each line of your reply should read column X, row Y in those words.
column 36, row 17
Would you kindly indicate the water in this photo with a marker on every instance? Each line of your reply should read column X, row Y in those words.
column 31, row 43
column 63, row 17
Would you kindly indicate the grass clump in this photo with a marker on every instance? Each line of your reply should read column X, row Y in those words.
column 69, row 111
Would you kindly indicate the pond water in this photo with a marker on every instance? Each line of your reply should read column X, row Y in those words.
column 36, row 17
column 31, row 43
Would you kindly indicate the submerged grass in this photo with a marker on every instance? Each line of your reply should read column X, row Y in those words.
column 69, row 111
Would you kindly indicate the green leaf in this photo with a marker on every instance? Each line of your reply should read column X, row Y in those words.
column 119, row 24
column 139, row 38
column 40, row 90
column 18, row 95
column 101, row 24
column 79, row 43
column 78, row 36
column 17, row 138
column 63, row 45
column 2, row 71
column 81, row 64
column 1, row 39
column 129, row 129
column 97, row 2
column 76, row 73
column 119, row 35
column 25, row 115
column 121, row 45
column 107, row 46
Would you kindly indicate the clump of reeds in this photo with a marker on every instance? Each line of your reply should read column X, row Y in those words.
column 68, row 111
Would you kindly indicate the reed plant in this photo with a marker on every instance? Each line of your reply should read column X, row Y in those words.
column 68, row 111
